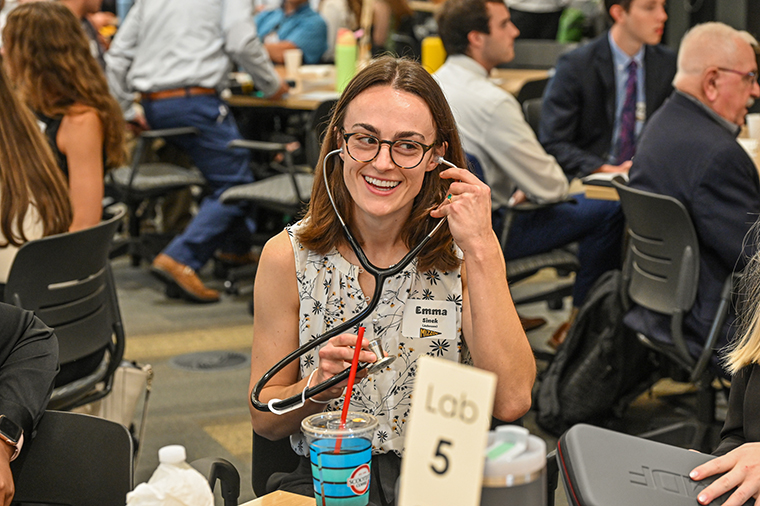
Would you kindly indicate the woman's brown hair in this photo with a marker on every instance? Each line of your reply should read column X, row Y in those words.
column 323, row 230
column 48, row 58
column 28, row 173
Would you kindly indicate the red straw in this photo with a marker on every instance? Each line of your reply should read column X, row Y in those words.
column 350, row 386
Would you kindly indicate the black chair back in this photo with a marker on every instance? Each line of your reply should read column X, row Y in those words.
column 74, row 460
column 66, row 280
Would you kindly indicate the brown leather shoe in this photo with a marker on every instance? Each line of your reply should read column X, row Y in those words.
column 559, row 335
column 529, row 324
column 181, row 280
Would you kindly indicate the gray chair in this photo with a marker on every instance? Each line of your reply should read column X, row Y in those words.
column 140, row 184
column 532, row 112
column 532, row 90
column 66, row 280
column 74, row 460
column 662, row 274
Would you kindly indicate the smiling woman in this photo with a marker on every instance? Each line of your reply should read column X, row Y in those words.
column 389, row 129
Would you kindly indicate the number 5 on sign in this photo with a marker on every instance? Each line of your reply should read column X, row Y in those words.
column 447, row 433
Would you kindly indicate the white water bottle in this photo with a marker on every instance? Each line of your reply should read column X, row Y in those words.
column 174, row 483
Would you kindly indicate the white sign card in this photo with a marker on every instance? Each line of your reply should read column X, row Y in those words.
column 447, row 434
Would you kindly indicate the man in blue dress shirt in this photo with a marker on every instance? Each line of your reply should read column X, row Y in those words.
column 295, row 25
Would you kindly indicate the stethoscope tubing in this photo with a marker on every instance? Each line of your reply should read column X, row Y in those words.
column 380, row 275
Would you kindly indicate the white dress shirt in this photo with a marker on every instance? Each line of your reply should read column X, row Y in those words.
column 166, row 44
column 494, row 130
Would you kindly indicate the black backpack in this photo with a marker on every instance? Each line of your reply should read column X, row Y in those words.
column 600, row 368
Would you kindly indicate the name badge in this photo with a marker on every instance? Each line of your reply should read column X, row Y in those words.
column 641, row 111
column 430, row 319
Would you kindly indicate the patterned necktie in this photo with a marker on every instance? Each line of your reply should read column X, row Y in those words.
column 627, row 139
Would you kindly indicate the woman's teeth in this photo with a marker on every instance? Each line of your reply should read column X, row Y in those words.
column 381, row 183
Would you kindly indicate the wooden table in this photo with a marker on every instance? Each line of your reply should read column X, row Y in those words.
column 315, row 91
column 280, row 498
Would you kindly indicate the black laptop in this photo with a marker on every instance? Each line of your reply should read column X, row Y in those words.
column 600, row 467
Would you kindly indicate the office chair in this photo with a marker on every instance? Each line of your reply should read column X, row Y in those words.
column 662, row 274
column 81, row 460
column 74, row 460
column 140, row 185
column 66, row 280
column 268, row 458
column 280, row 198
column 532, row 90
column 532, row 111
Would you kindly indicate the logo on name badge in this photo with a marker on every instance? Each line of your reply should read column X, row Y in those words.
column 428, row 333
column 358, row 482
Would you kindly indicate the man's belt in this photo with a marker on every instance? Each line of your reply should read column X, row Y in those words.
column 187, row 91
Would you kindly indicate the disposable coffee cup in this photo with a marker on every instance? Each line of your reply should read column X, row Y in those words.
column 293, row 59
column 515, row 469
column 340, row 457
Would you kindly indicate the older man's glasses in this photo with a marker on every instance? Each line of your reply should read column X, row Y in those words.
column 749, row 77
column 405, row 153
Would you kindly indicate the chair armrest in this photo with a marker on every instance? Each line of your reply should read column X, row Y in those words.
column 271, row 147
column 217, row 468
column 169, row 132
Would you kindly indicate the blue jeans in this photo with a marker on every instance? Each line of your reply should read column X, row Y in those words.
column 596, row 225
column 216, row 226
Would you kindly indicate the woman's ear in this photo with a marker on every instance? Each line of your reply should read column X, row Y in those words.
column 438, row 151
column 340, row 143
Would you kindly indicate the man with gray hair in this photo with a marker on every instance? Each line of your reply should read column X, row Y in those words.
column 689, row 151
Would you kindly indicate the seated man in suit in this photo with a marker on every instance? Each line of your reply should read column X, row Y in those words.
column 689, row 151
column 602, row 93
column 295, row 25
column 478, row 35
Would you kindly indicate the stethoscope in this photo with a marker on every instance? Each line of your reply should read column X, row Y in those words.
column 281, row 406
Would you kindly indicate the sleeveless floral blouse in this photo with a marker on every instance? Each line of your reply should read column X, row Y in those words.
column 330, row 294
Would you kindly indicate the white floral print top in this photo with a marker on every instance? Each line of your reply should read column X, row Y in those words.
column 330, row 294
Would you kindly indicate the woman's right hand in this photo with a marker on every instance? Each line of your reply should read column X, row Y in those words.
column 334, row 357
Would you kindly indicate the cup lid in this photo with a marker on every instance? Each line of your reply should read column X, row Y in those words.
column 327, row 424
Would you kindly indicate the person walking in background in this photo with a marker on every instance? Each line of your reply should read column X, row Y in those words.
column 177, row 53
column 47, row 56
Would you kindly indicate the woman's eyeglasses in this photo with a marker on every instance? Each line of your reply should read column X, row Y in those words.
column 405, row 153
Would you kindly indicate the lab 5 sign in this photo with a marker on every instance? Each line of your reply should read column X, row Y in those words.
column 446, row 435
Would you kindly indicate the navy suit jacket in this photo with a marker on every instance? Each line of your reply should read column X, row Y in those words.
column 685, row 153
column 578, row 111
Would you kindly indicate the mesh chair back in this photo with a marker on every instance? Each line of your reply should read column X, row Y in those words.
column 66, row 280
column 664, row 251
column 74, row 460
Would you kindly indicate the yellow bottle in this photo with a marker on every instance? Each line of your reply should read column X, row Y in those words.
column 433, row 53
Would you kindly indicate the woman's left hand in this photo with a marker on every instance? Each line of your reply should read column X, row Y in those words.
column 468, row 207
column 742, row 468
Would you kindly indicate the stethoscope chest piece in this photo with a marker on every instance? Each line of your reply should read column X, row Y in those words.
column 382, row 362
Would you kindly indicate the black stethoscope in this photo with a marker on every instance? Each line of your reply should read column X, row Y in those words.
column 280, row 406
